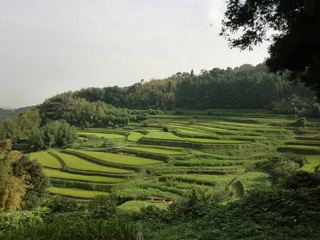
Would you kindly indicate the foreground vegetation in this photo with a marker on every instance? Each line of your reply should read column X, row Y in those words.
column 289, row 210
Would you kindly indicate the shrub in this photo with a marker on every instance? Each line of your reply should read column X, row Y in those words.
column 60, row 204
column 145, row 124
column 192, row 121
column 102, row 207
column 301, row 122
column 165, row 129
column 14, row 219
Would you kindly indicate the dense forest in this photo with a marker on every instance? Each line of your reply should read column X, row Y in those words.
column 244, row 87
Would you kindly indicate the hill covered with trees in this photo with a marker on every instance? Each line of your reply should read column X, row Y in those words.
column 244, row 87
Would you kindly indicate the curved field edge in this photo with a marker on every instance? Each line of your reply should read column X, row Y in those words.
column 69, row 176
column 114, row 159
column 46, row 159
column 75, row 162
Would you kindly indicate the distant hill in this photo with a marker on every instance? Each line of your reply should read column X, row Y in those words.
column 6, row 112
column 7, row 108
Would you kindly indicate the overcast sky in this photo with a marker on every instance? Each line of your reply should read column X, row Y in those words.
column 49, row 47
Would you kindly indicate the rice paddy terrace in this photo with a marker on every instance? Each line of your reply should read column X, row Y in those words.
column 169, row 154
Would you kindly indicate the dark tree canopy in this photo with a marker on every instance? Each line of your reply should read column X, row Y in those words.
column 295, row 41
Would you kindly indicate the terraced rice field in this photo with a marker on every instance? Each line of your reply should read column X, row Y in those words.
column 154, row 150
column 119, row 159
column 75, row 192
column 46, row 160
column 103, row 135
column 78, row 177
column 81, row 164
column 176, row 153
column 135, row 206
column 202, row 179
column 159, row 134
column 313, row 163
column 303, row 149
column 135, row 136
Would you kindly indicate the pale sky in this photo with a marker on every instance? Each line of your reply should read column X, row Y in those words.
column 49, row 47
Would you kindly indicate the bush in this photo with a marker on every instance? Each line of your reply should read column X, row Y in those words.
column 75, row 229
column 165, row 129
column 15, row 219
column 301, row 122
column 60, row 204
column 53, row 134
column 145, row 124
column 102, row 207
column 192, row 121
column 178, row 112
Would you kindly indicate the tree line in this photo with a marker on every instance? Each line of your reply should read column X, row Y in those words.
column 244, row 87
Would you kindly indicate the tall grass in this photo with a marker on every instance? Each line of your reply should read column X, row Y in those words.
column 79, row 229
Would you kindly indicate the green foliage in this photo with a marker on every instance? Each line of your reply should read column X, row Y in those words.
column 20, row 126
column 12, row 220
column 242, row 87
column 37, row 181
column 284, row 165
column 301, row 122
column 81, row 112
column 294, row 47
column 75, row 229
column 273, row 214
column 60, row 204
column 102, row 207
column 301, row 179
column 53, row 134
column 196, row 203
column 284, row 168
column 22, row 182
column 8, row 113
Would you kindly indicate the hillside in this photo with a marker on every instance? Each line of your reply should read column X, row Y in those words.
column 167, row 168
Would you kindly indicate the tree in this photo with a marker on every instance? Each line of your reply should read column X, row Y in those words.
column 30, row 171
column 22, row 181
column 53, row 134
column 103, row 207
column 295, row 42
